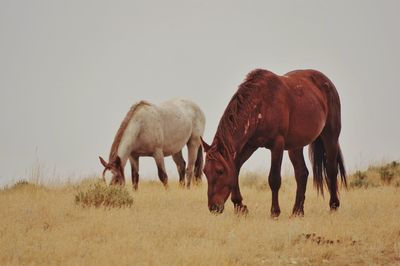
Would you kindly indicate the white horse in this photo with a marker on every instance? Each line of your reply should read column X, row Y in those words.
column 157, row 131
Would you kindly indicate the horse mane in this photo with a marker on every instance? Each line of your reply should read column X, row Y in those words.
column 243, row 102
column 117, row 139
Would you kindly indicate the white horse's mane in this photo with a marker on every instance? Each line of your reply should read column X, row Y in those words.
column 122, row 127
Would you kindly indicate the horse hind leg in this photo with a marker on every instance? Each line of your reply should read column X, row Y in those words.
column 135, row 171
column 301, row 174
column 162, row 174
column 331, row 150
column 193, row 147
column 198, row 165
column 181, row 166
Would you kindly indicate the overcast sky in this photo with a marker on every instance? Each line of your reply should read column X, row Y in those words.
column 70, row 70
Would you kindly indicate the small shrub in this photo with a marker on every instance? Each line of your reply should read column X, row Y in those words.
column 388, row 172
column 99, row 195
column 23, row 184
column 360, row 183
column 360, row 180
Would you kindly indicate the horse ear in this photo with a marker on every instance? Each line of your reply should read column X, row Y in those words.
column 103, row 162
column 205, row 145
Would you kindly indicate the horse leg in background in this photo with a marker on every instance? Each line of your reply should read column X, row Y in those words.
column 274, row 178
column 135, row 171
column 162, row 174
column 331, row 147
column 198, row 165
column 301, row 174
column 193, row 147
column 181, row 165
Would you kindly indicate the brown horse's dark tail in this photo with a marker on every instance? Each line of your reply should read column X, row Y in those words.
column 198, row 165
column 342, row 169
column 319, row 164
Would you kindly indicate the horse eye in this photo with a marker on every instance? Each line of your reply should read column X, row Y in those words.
column 220, row 171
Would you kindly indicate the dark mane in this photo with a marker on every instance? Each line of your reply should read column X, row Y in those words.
column 242, row 104
column 122, row 127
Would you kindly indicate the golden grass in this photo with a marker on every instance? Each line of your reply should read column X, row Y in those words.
column 44, row 226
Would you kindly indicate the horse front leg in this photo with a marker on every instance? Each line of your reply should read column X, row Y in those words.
column 135, row 171
column 236, row 196
column 274, row 178
column 237, row 199
column 162, row 174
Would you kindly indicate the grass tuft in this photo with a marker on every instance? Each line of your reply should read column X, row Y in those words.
column 99, row 195
column 23, row 185
column 359, row 180
column 377, row 175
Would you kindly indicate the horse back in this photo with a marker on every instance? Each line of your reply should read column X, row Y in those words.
column 295, row 105
column 168, row 125
column 314, row 103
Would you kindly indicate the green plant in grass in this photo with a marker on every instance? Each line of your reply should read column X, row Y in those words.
column 360, row 180
column 99, row 195
column 388, row 172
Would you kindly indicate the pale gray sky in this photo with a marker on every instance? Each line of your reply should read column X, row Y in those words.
column 70, row 70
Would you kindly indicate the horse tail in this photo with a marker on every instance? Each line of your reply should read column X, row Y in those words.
column 318, row 160
column 342, row 170
column 198, row 165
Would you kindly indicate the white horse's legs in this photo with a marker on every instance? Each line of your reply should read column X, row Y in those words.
column 198, row 165
column 181, row 165
column 193, row 147
column 135, row 171
column 162, row 174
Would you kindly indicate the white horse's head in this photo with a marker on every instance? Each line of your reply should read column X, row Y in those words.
column 113, row 172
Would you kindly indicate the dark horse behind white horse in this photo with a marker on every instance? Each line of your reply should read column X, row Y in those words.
column 158, row 131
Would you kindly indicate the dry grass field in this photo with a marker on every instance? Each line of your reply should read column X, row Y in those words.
column 43, row 226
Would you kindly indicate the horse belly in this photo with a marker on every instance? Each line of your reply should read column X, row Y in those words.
column 175, row 141
column 177, row 129
column 306, row 122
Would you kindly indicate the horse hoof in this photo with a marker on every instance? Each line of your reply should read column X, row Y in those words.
column 334, row 207
column 275, row 214
column 241, row 210
column 216, row 209
column 297, row 214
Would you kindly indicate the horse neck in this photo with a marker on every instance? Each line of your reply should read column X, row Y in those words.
column 124, row 145
column 232, row 146
column 234, row 141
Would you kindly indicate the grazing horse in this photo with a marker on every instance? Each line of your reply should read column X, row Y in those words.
column 278, row 113
column 158, row 131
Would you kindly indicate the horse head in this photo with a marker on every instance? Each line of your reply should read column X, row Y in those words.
column 220, row 176
column 113, row 173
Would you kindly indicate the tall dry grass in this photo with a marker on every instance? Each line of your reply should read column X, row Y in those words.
column 41, row 226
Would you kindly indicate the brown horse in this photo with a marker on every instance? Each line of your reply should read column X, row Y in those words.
column 279, row 113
